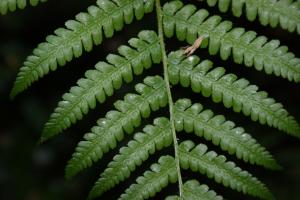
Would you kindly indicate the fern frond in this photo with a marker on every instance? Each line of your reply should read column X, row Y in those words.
column 111, row 129
column 215, row 128
column 192, row 190
column 12, row 5
column 234, row 92
column 78, row 36
column 153, row 181
column 198, row 159
column 154, row 138
column 245, row 46
column 285, row 13
column 103, row 80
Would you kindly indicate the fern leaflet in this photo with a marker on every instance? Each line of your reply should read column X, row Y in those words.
column 192, row 190
column 152, row 181
column 188, row 24
column 111, row 129
column 198, row 159
column 234, row 92
column 285, row 13
column 12, row 5
column 192, row 118
column 154, row 138
column 80, row 34
column 102, row 81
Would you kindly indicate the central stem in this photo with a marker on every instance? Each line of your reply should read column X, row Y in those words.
column 166, row 78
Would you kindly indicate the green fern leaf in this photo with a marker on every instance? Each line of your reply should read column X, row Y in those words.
column 152, row 181
column 188, row 23
column 285, row 13
column 111, row 129
column 192, row 190
column 153, row 139
column 12, row 5
column 192, row 118
column 198, row 159
column 80, row 34
column 234, row 92
column 102, row 81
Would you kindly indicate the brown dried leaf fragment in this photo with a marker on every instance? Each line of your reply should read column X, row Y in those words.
column 191, row 49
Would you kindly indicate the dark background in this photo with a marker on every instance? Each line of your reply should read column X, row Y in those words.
column 32, row 172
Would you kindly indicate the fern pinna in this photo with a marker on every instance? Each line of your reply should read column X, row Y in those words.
column 12, row 5
column 186, row 22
